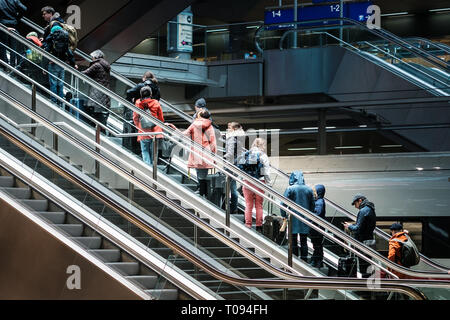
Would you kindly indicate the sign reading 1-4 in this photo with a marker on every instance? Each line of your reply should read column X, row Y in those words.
column 356, row 11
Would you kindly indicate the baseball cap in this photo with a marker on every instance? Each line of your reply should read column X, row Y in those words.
column 396, row 226
column 201, row 103
column 357, row 197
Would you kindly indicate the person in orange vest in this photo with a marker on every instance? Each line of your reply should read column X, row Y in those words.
column 395, row 248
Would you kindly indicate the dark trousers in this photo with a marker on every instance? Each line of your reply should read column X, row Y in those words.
column 303, row 246
column 10, row 45
column 317, row 241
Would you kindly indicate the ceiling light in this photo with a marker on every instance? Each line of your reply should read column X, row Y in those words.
column 419, row 169
column 302, row 149
column 349, row 147
column 216, row 30
column 439, row 10
column 391, row 146
column 252, row 27
column 394, row 14
column 310, row 128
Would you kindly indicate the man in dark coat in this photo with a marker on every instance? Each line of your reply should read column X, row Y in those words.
column 364, row 226
column 304, row 197
column 11, row 11
column 53, row 18
column 99, row 103
column 316, row 236
column 133, row 94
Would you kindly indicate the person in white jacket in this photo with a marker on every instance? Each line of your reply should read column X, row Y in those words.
column 235, row 144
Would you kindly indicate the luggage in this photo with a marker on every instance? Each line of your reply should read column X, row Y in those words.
column 77, row 102
column 347, row 267
column 271, row 228
column 216, row 188
column 131, row 143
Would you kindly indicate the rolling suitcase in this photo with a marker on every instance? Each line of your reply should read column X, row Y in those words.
column 347, row 267
column 271, row 228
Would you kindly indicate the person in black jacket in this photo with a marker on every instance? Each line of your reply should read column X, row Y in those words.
column 364, row 226
column 148, row 79
column 132, row 95
column 11, row 11
column 52, row 44
column 316, row 236
column 53, row 18
column 99, row 103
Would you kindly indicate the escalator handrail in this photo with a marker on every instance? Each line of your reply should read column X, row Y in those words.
column 379, row 32
column 234, row 172
column 438, row 45
column 444, row 85
column 299, row 282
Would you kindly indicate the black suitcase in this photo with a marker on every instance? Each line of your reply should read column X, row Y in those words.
column 271, row 228
column 347, row 267
column 216, row 189
column 131, row 143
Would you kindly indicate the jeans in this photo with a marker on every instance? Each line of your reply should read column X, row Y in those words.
column 56, row 76
column 147, row 151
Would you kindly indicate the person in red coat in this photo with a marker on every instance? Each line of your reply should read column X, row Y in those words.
column 202, row 132
column 152, row 106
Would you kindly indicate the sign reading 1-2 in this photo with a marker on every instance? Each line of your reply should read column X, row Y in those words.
column 335, row 8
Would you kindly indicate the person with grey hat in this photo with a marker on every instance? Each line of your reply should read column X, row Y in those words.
column 365, row 224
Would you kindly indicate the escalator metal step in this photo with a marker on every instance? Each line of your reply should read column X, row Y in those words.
column 6, row 181
column 147, row 282
column 18, row 193
column 126, row 268
column 89, row 242
column 163, row 294
column 107, row 255
column 74, row 230
column 53, row 217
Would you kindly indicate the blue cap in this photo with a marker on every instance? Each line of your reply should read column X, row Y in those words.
column 396, row 226
column 201, row 103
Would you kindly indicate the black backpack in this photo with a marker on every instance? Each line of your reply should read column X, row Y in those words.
column 60, row 44
column 410, row 254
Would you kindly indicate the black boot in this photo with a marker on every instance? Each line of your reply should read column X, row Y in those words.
column 203, row 187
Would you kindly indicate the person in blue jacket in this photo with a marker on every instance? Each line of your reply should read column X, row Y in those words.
column 316, row 236
column 364, row 226
column 303, row 196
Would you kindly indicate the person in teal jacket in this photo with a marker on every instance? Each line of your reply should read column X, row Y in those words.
column 303, row 196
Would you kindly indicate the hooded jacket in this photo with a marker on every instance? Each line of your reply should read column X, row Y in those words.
column 319, row 208
column 303, row 196
column 201, row 131
column 11, row 11
column 365, row 221
column 156, row 111
column 99, row 70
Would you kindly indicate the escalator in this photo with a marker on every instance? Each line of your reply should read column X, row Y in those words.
column 384, row 68
column 265, row 249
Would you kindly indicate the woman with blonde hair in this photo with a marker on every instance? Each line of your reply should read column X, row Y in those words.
column 258, row 158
